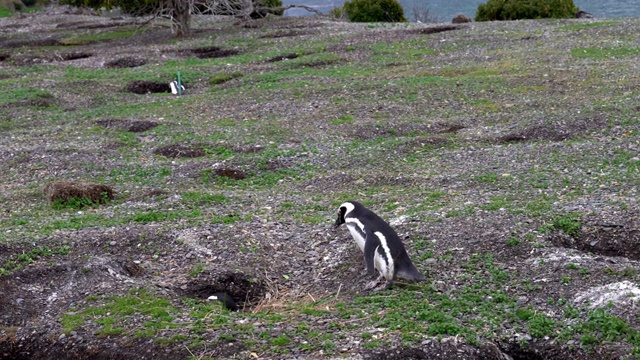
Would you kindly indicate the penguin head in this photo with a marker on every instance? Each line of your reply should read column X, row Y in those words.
column 344, row 209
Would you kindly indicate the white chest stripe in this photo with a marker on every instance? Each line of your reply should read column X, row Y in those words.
column 357, row 236
column 387, row 252
column 355, row 221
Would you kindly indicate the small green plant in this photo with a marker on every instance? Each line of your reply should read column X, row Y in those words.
column 513, row 241
column 541, row 325
column 223, row 77
column 567, row 223
column 197, row 269
column 374, row 11
column 79, row 202
column 604, row 53
column 343, row 120
column 281, row 340
column 195, row 199
column 4, row 12
column 15, row 263
column 525, row 9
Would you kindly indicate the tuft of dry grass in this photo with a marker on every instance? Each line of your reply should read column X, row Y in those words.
column 66, row 191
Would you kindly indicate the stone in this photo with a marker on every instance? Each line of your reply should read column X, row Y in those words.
column 583, row 15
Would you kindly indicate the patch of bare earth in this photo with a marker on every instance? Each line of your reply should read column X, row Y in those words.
column 266, row 263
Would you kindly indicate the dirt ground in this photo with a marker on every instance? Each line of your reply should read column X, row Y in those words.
column 286, row 263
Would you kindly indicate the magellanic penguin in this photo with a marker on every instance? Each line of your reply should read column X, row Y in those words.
column 383, row 250
column 225, row 299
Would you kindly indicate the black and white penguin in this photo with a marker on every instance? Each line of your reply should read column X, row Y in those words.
column 383, row 250
column 225, row 299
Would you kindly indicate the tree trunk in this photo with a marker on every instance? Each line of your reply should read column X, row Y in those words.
column 180, row 17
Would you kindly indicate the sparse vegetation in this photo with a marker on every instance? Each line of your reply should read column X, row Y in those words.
column 374, row 11
column 490, row 149
column 494, row 10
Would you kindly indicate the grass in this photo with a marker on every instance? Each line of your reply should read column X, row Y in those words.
column 4, row 12
column 605, row 53
column 99, row 36
column 303, row 117
column 589, row 25
column 26, row 258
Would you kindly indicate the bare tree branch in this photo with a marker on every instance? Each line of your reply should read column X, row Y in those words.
column 287, row 7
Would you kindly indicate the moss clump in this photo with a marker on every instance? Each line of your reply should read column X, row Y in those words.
column 525, row 9
column 374, row 11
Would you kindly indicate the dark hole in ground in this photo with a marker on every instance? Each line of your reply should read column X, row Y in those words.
column 38, row 345
column 607, row 235
column 434, row 29
column 488, row 351
column 422, row 143
column 283, row 57
column 75, row 56
column 250, row 149
column 246, row 292
column 403, row 353
column 145, row 87
column 451, row 128
column 213, row 52
column 180, row 151
column 290, row 33
column 39, row 42
column 234, row 174
column 147, row 195
column 555, row 130
column 4, row 56
column 44, row 101
column 125, row 62
column 128, row 125
column 535, row 133
column 131, row 268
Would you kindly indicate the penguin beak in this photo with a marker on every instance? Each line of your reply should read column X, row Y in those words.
column 340, row 219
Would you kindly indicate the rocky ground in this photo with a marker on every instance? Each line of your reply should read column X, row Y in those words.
column 504, row 154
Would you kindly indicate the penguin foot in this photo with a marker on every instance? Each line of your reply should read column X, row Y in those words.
column 384, row 286
column 374, row 284
column 379, row 284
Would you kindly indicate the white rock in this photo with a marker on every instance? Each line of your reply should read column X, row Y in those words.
column 620, row 293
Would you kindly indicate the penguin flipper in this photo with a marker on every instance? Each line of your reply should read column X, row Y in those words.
column 370, row 245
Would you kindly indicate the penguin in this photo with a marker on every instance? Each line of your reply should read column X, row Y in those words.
column 383, row 250
column 225, row 299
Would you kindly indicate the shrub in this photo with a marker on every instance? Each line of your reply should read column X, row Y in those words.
column 374, row 11
column 525, row 9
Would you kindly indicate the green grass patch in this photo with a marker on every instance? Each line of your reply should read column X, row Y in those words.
column 20, row 261
column 158, row 313
column 13, row 95
column 100, row 36
column 343, row 120
column 4, row 12
column 595, row 53
column 197, row 199
column 580, row 26
column 223, row 77
column 567, row 223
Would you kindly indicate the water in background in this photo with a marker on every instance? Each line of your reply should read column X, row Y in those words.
column 444, row 10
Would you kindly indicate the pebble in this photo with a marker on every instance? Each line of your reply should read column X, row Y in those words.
column 19, row 301
column 112, row 243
